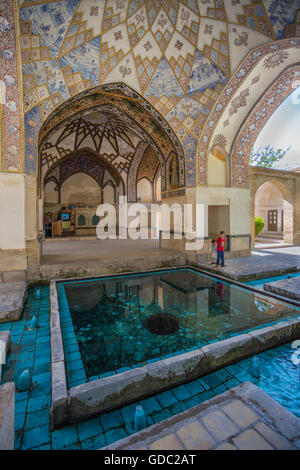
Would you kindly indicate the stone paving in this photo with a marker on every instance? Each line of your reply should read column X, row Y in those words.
column 264, row 263
column 286, row 287
column 12, row 296
column 243, row 418
column 273, row 371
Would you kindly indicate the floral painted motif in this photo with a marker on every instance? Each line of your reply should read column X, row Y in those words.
column 208, row 29
column 118, row 35
column 275, row 59
column 147, row 46
column 239, row 101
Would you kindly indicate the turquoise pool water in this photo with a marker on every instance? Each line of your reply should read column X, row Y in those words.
column 272, row 370
column 259, row 283
column 110, row 325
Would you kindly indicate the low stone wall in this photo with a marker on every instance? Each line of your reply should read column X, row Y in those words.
column 58, row 370
column 100, row 267
column 7, row 416
column 111, row 392
column 288, row 288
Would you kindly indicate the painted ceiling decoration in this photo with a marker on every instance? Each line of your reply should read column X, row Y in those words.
column 248, row 87
column 179, row 55
column 141, row 120
column 81, row 163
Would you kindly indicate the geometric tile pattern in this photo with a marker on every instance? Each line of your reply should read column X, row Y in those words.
column 72, row 46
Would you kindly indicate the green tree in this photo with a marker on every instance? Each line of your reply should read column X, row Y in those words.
column 259, row 225
column 266, row 156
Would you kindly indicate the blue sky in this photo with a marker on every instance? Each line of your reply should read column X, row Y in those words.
column 283, row 130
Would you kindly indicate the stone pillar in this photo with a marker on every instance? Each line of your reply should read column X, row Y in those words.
column 31, row 227
column 12, row 227
column 252, row 217
column 288, row 221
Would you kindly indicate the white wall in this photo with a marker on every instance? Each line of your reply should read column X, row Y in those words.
column 108, row 194
column 12, row 212
column 81, row 189
column 51, row 196
column 144, row 190
column 238, row 200
column 216, row 171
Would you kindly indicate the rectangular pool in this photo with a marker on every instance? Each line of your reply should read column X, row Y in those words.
column 129, row 321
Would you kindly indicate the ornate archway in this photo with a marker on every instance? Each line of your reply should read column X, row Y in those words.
column 120, row 101
column 245, row 90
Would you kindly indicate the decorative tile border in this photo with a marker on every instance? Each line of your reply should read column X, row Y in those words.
column 58, row 370
column 256, row 120
column 248, row 64
column 11, row 119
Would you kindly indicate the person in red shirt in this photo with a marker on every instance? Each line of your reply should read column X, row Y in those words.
column 220, row 249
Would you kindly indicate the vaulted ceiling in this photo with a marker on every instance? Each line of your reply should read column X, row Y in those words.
column 178, row 54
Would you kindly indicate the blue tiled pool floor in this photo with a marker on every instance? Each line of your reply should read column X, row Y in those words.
column 273, row 371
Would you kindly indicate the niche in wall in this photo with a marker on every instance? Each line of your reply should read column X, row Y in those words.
column 217, row 167
column 81, row 189
column 218, row 219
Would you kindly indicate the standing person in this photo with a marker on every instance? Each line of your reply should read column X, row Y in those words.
column 48, row 225
column 220, row 249
column 213, row 252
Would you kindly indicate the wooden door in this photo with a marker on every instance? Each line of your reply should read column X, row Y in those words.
column 272, row 221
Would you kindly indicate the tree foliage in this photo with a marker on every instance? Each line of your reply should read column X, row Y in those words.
column 266, row 156
column 259, row 225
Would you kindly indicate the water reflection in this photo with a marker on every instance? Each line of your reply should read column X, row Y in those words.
column 130, row 320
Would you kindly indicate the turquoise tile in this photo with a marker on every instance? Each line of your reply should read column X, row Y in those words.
column 150, row 405
column 37, row 418
column 194, row 387
column 128, row 412
column 177, row 408
column 181, row 392
column 115, row 435
column 19, row 420
column 64, row 437
column 94, row 443
column 166, row 399
column 161, row 415
column 112, row 419
column 36, row 437
column 90, row 428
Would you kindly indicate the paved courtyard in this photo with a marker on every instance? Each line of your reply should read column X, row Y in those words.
column 286, row 287
column 244, row 418
column 262, row 263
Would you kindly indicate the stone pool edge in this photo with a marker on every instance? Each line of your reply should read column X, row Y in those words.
column 59, row 391
column 104, row 394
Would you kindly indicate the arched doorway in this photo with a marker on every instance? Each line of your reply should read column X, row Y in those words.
column 274, row 203
column 97, row 153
